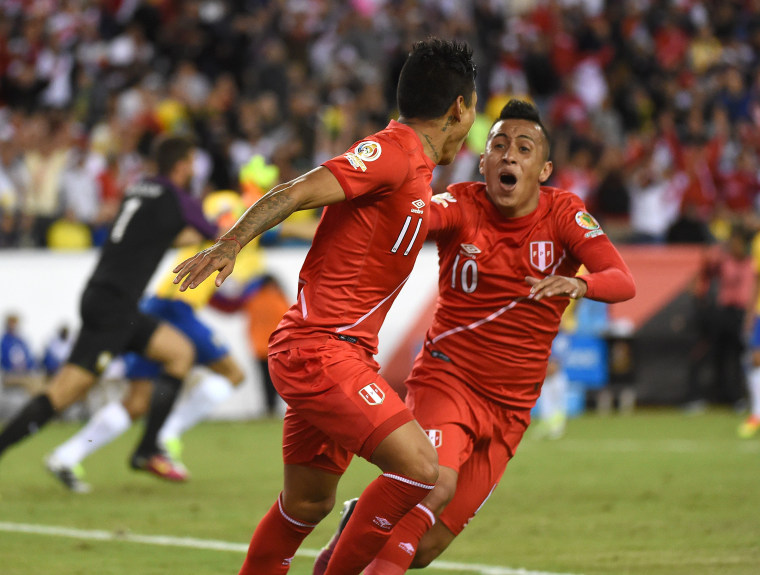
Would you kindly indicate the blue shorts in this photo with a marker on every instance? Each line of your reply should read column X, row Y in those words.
column 179, row 314
column 754, row 342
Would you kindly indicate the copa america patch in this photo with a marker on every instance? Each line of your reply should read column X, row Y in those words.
column 586, row 221
column 368, row 151
column 372, row 394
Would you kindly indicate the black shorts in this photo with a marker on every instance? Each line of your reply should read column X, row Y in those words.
column 111, row 325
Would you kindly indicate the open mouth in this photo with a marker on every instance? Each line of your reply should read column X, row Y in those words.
column 508, row 179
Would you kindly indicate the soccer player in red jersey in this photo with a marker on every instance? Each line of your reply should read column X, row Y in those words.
column 321, row 355
column 509, row 251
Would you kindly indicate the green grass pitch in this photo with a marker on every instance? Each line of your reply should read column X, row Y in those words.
column 654, row 493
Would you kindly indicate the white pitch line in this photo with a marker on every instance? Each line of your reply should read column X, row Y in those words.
column 216, row 545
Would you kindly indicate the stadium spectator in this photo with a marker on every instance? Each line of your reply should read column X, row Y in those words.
column 509, row 252
column 629, row 63
column 17, row 362
column 57, row 350
column 725, row 295
column 320, row 357
column 156, row 213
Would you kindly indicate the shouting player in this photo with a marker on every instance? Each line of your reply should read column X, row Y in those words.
column 321, row 356
column 509, row 250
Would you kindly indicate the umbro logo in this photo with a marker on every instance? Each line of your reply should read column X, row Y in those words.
column 408, row 548
column 470, row 249
column 418, row 205
column 382, row 523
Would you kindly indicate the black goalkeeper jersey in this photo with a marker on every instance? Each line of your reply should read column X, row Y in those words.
column 151, row 215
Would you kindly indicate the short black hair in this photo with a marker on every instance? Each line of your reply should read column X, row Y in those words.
column 435, row 74
column 168, row 151
column 524, row 110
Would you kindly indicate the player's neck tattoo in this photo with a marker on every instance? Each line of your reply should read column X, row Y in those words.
column 449, row 121
column 429, row 141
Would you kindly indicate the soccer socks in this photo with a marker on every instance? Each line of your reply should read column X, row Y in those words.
column 196, row 405
column 382, row 505
column 165, row 391
column 108, row 423
column 36, row 413
column 753, row 382
column 275, row 542
column 397, row 554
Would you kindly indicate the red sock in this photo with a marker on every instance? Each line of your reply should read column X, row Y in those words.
column 275, row 542
column 397, row 554
column 382, row 505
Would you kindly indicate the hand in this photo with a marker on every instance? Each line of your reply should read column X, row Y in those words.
column 220, row 256
column 574, row 288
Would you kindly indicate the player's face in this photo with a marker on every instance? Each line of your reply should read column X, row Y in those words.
column 459, row 130
column 514, row 166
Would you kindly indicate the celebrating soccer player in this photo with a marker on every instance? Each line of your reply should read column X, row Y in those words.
column 321, row 356
column 509, row 250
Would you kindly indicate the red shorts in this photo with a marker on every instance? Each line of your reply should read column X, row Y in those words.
column 338, row 405
column 472, row 435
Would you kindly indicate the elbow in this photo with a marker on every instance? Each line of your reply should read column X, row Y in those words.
column 630, row 293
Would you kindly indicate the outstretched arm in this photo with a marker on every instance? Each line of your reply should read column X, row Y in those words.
column 609, row 279
column 314, row 189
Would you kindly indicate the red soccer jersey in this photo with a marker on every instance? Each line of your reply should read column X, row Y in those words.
column 365, row 247
column 486, row 324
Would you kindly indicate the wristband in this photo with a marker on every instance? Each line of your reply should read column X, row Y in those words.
column 231, row 239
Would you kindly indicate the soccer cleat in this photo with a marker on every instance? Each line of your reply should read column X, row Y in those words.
column 320, row 563
column 160, row 465
column 71, row 477
column 749, row 428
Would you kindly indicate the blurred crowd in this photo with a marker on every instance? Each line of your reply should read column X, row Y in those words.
column 653, row 106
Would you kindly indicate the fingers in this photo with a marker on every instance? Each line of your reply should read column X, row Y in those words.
column 179, row 267
column 551, row 286
column 223, row 274
column 194, row 270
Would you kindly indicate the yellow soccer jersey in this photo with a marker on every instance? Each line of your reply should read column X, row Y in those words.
column 223, row 207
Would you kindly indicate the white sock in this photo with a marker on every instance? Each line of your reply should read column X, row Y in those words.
column 554, row 396
column 212, row 390
column 753, row 382
column 108, row 423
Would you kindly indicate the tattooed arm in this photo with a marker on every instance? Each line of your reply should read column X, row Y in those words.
column 312, row 190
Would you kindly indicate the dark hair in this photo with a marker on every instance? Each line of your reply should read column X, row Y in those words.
column 435, row 74
column 522, row 110
column 167, row 151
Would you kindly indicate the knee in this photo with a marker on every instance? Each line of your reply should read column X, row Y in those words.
column 309, row 510
column 424, row 465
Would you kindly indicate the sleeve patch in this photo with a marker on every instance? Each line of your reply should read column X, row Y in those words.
column 355, row 161
column 444, row 199
column 368, row 151
column 586, row 221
